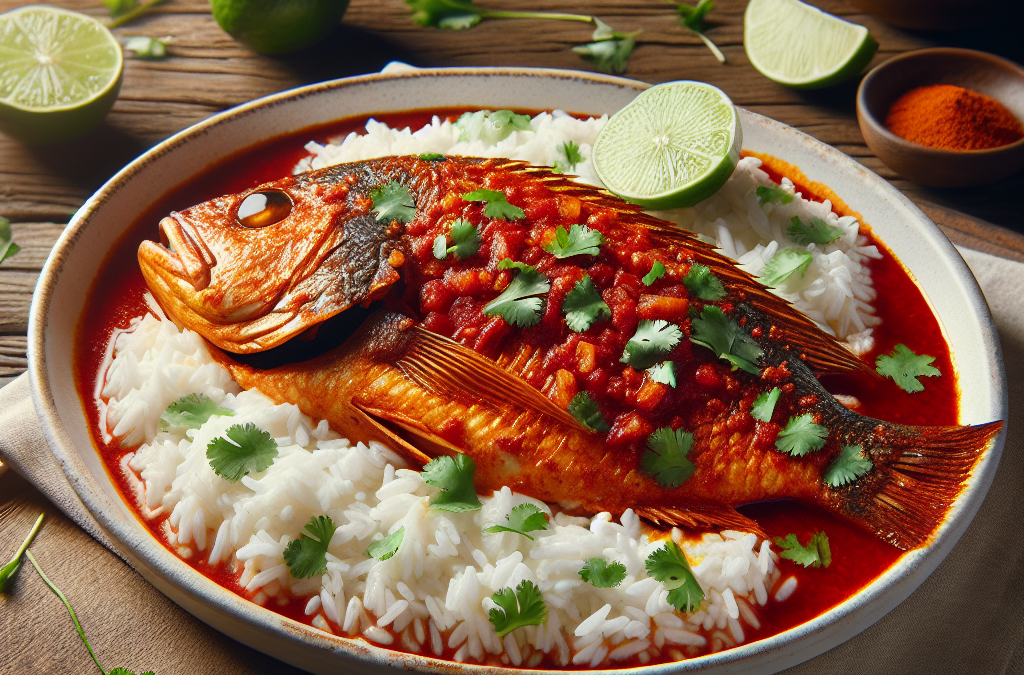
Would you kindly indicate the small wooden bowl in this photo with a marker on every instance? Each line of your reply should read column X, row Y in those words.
column 977, row 71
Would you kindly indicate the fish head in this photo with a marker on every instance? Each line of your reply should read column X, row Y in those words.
column 248, row 271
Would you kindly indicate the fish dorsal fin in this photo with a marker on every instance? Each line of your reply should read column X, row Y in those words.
column 700, row 516
column 446, row 368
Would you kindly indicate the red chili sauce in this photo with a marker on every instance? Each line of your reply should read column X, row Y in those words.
column 857, row 557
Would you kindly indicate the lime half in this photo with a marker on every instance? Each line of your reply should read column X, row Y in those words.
column 60, row 73
column 673, row 145
column 801, row 46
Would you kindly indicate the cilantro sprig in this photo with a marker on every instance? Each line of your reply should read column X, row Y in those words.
column 453, row 476
column 801, row 436
column 652, row 341
column 191, row 412
column 610, row 49
column 817, row 552
column 521, row 520
column 495, row 204
column 714, row 330
column 669, row 566
column 241, row 451
column 465, row 239
column 657, row 272
column 8, row 571
column 692, row 17
column 904, row 367
column 764, row 405
column 388, row 546
column 307, row 556
column 393, row 201
column 665, row 458
column 850, row 464
column 664, row 372
column 768, row 193
column 579, row 240
column 519, row 304
column 7, row 247
column 817, row 231
column 601, row 574
column 125, row 11
column 572, row 155
column 515, row 609
column 703, row 284
column 783, row 265
column 585, row 410
column 583, row 306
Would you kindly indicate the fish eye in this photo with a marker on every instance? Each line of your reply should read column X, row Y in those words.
column 261, row 209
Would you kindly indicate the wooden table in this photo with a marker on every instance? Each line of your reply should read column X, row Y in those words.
column 206, row 72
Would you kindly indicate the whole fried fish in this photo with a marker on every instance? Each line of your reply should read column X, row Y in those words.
column 580, row 351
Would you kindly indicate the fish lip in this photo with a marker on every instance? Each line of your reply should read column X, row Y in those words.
column 188, row 250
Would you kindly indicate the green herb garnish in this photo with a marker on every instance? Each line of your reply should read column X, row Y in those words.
column 693, row 18
column 307, row 556
column 665, row 457
column 431, row 156
column 8, row 571
column 583, row 306
column 587, row 413
column 572, row 155
column 453, row 476
column 125, row 11
column 764, row 405
column 816, row 553
column 579, row 240
column 767, row 193
column 669, row 566
column 714, row 330
column 657, row 272
column 524, row 607
column 191, row 412
column 848, row 466
column 518, row 304
column 522, row 519
column 388, row 546
column 703, row 284
column 393, row 202
column 610, row 49
column 783, row 264
column 664, row 372
column 7, row 247
column 904, row 367
column 599, row 573
column 145, row 47
column 801, row 436
column 465, row 241
column 817, row 232
column 496, row 204
column 651, row 343
column 245, row 450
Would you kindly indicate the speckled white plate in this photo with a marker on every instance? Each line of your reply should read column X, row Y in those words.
column 72, row 266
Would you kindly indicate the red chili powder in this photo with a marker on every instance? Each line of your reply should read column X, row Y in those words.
column 952, row 118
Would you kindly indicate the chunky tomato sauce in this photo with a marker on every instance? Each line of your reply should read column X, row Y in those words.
column 857, row 557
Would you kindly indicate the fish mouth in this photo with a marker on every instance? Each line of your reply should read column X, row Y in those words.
column 181, row 252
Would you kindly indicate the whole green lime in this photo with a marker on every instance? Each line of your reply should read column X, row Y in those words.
column 278, row 26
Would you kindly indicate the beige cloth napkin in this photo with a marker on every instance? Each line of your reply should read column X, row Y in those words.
column 968, row 616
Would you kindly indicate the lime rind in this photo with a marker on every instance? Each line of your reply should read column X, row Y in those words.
column 674, row 145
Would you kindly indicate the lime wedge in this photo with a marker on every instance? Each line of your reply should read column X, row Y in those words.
column 801, row 46
column 60, row 73
column 673, row 145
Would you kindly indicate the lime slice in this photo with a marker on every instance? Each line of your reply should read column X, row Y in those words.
column 801, row 46
column 673, row 145
column 60, row 73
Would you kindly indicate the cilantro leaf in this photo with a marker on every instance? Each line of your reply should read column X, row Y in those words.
column 506, row 118
column 768, row 193
column 657, row 272
column 522, row 519
column 451, row 14
column 572, row 155
column 497, row 205
column 393, row 202
column 465, row 241
column 818, row 232
column 714, row 330
column 610, row 50
column 816, row 553
column 191, row 412
column 587, row 413
column 145, row 47
column 307, row 556
column 664, row 372
column 524, row 607
column 601, row 574
column 490, row 126
column 904, row 367
column 518, row 304
column 801, row 436
column 693, row 18
column 583, row 306
column 703, row 283
column 653, row 340
column 783, row 264
column 453, row 476
column 669, row 566
column 246, row 450
column 7, row 247
column 431, row 156
column 388, row 546
column 665, row 457
column 848, row 466
column 764, row 405
column 579, row 240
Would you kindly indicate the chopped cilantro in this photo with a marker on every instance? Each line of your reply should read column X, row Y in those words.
column 7, row 247
column 307, row 556
column 572, row 155
column 393, row 202
column 586, row 412
column 431, row 156
column 522, row 519
column 246, row 450
column 703, row 283
column 818, row 232
column 388, row 546
column 664, row 372
column 191, row 412
column 665, row 457
column 848, row 466
column 764, row 405
column 506, row 118
column 490, row 126
column 519, row 305
column 610, row 49
column 579, row 240
column 904, row 367
column 714, row 330
column 657, row 272
column 669, row 566
column 767, row 193
column 496, row 204
column 653, row 341
column 465, row 241
column 454, row 478
column 816, row 553
column 601, row 574
column 524, row 607
column 583, row 306
column 783, row 264
column 801, row 436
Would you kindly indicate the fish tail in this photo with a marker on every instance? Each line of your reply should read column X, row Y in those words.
column 916, row 475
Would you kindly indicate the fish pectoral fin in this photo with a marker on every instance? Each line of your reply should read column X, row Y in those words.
column 700, row 516
column 449, row 369
column 411, row 437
